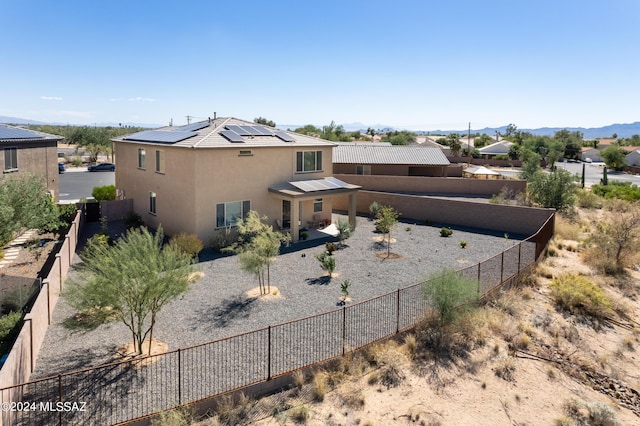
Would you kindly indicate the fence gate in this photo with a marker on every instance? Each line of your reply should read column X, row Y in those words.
column 92, row 212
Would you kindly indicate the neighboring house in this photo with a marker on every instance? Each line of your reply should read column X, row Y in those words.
column 389, row 160
column 496, row 148
column 30, row 152
column 201, row 178
column 633, row 158
column 591, row 153
column 427, row 141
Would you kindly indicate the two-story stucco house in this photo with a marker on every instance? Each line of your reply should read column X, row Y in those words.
column 202, row 177
column 30, row 152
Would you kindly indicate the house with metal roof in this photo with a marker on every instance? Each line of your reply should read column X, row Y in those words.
column 410, row 160
column 496, row 148
column 29, row 152
column 201, row 178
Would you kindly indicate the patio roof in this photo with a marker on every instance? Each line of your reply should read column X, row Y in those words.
column 313, row 187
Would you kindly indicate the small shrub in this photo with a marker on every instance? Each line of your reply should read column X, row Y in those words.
column 298, row 379
column 304, row 235
column 447, row 290
column 181, row 416
column 330, row 247
column 374, row 208
column 427, row 222
column 344, row 230
column 578, row 294
column 327, row 263
column 589, row 200
column 104, row 193
column 446, row 232
column 133, row 220
column 299, row 414
column 408, row 229
column 344, row 288
column 8, row 323
column 76, row 161
column 187, row 243
column 463, row 244
column 505, row 368
column 506, row 236
column 320, row 385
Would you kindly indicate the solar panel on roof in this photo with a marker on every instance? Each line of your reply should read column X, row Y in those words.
column 193, row 127
column 232, row 136
column 16, row 133
column 285, row 137
column 164, row 136
column 319, row 184
column 239, row 130
column 262, row 131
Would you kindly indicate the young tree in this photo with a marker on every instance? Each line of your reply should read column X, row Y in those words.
column 258, row 246
column 134, row 280
column 344, row 230
column 613, row 157
column 447, row 291
column 387, row 218
column 556, row 189
column 327, row 262
column 453, row 140
column 530, row 164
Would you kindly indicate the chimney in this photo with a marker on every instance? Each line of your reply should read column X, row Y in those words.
column 214, row 115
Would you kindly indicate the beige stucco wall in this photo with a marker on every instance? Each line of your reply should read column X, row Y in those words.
column 195, row 180
column 39, row 161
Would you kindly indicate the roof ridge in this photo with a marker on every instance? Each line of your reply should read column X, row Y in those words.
column 213, row 131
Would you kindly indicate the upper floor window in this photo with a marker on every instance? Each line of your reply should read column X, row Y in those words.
column 142, row 158
column 10, row 159
column 308, row 161
column 317, row 205
column 159, row 161
column 363, row 169
column 228, row 214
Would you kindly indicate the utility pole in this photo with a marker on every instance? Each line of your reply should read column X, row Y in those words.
column 189, row 117
column 469, row 146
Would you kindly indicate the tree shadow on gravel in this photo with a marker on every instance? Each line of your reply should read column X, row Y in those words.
column 234, row 308
column 324, row 280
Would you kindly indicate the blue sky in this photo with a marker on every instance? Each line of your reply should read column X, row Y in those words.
column 414, row 64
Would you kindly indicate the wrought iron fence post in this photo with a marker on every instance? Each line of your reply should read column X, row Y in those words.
column 398, row 313
column 519, row 255
column 269, row 353
column 179, row 377
column 479, row 263
column 344, row 329
column 60, row 398
column 501, row 267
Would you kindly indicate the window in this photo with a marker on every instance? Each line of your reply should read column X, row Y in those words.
column 363, row 169
column 317, row 205
column 245, row 152
column 152, row 203
column 142, row 158
column 227, row 214
column 10, row 159
column 308, row 161
column 159, row 161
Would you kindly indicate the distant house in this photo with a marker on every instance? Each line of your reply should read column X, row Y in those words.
column 633, row 158
column 389, row 160
column 201, row 178
column 496, row 148
column 30, row 152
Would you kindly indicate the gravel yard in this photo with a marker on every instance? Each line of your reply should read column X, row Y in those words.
column 217, row 305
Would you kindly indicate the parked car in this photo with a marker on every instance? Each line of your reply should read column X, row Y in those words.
column 61, row 168
column 102, row 167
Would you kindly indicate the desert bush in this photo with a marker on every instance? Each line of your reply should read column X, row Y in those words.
column 578, row 294
column 446, row 232
column 76, row 161
column 320, row 384
column 621, row 190
column 8, row 323
column 299, row 414
column 374, row 208
column 463, row 244
column 187, row 243
column 345, row 230
column 104, row 193
column 590, row 413
column 327, row 263
column 330, row 247
column 505, row 368
column 181, row 416
column 587, row 199
column 447, row 291
column 567, row 230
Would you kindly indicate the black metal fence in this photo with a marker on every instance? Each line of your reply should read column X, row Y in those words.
column 120, row 392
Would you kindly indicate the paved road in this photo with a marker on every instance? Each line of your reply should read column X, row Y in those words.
column 77, row 183
column 593, row 173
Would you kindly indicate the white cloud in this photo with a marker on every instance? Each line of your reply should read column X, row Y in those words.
column 114, row 100
column 139, row 98
column 51, row 98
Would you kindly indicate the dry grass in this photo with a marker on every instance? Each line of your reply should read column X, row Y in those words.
column 505, row 368
column 567, row 230
column 578, row 294
column 320, row 384
column 299, row 414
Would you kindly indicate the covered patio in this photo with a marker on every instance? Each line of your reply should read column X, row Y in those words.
column 296, row 194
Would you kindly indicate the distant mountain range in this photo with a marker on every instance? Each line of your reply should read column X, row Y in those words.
column 25, row 121
column 621, row 130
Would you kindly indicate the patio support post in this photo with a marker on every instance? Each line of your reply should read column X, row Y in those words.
column 352, row 210
column 295, row 221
